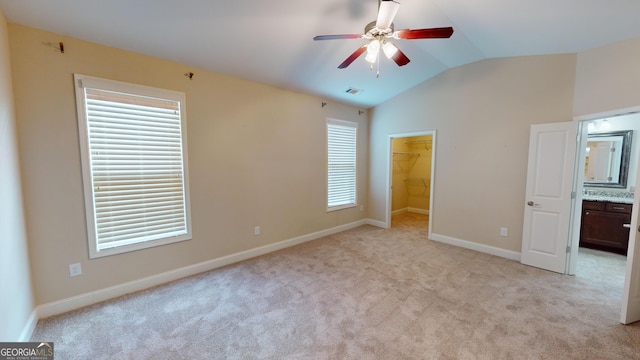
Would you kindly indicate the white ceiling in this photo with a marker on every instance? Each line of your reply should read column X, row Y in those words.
column 271, row 41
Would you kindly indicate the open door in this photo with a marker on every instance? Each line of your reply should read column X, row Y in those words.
column 548, row 202
column 631, row 296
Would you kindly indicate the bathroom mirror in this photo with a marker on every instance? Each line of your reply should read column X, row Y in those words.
column 607, row 160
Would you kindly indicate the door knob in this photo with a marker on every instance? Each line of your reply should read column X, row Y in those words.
column 531, row 203
column 628, row 226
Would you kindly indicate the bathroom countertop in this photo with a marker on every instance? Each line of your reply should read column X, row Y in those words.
column 617, row 199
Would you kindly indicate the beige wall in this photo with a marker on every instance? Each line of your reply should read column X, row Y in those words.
column 607, row 78
column 482, row 113
column 16, row 297
column 257, row 156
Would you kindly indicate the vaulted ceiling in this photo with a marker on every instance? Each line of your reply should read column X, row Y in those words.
column 271, row 41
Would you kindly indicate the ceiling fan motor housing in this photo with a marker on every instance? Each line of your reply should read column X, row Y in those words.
column 372, row 30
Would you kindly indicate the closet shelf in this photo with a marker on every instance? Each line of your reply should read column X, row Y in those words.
column 408, row 158
column 408, row 154
column 426, row 143
column 418, row 181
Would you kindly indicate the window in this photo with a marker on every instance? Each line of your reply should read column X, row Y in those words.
column 134, row 165
column 341, row 164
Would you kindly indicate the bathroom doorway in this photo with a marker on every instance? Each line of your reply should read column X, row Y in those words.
column 601, row 259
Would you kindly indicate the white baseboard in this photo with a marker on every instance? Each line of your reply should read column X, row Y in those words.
column 418, row 211
column 29, row 327
column 378, row 223
column 411, row 210
column 79, row 301
column 507, row 254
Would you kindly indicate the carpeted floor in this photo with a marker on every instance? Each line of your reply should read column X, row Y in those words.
column 367, row 293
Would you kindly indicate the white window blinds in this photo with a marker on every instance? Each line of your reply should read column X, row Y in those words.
column 136, row 169
column 341, row 167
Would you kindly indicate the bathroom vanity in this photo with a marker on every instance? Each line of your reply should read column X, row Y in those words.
column 605, row 225
column 607, row 204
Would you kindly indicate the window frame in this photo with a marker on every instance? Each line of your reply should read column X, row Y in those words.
column 81, row 83
column 343, row 123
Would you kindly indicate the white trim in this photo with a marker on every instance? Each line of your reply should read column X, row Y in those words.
column 411, row 210
column 79, row 301
column 377, row 223
column 86, row 299
column 418, row 211
column 573, row 243
column 572, row 263
column 347, row 124
column 29, row 327
column 82, row 82
column 610, row 113
column 507, row 254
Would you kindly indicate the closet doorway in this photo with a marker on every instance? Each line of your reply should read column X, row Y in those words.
column 411, row 171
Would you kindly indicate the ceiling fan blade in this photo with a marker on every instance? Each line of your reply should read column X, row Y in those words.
column 386, row 13
column 336, row 37
column 432, row 33
column 399, row 57
column 352, row 57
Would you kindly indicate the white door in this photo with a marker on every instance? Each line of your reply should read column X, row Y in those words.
column 631, row 296
column 548, row 202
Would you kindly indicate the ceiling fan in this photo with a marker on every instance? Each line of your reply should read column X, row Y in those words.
column 377, row 32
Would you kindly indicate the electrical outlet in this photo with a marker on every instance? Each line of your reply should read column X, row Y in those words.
column 75, row 269
column 256, row 230
column 504, row 231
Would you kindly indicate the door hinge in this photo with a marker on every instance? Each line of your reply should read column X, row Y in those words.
column 568, row 249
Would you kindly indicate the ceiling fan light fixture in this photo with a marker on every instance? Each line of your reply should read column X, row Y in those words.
column 373, row 48
column 377, row 32
column 389, row 50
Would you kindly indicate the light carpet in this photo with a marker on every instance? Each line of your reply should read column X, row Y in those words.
column 367, row 293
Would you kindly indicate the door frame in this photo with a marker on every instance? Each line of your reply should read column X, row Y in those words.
column 572, row 262
column 576, row 205
column 633, row 236
column 390, row 137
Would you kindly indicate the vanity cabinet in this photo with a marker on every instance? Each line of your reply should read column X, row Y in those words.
column 603, row 226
